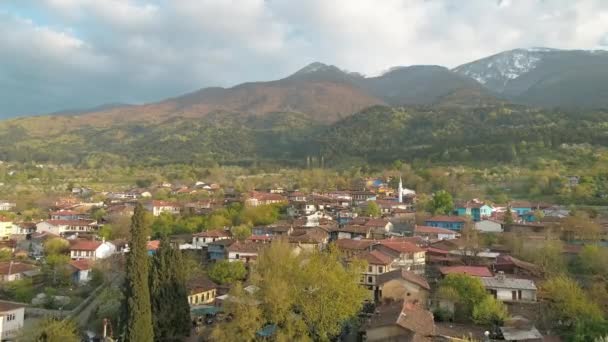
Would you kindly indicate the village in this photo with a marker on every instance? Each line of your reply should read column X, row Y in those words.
column 420, row 259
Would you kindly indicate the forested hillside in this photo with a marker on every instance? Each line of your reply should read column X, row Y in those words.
column 378, row 135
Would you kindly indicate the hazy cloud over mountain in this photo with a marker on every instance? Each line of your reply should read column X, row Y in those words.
column 57, row 54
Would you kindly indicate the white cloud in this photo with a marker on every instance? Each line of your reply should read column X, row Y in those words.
column 85, row 52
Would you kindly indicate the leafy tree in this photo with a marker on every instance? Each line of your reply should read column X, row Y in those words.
column 580, row 227
column 143, row 183
column 441, row 203
column 289, row 294
column 21, row 290
column 549, row 258
column 5, row 255
column 98, row 214
column 56, row 246
column 241, row 232
column 138, row 321
column 464, row 290
column 593, row 260
column 490, row 311
column 110, row 302
column 52, row 330
column 169, row 297
column 372, row 209
column 568, row 302
column 225, row 272
column 248, row 320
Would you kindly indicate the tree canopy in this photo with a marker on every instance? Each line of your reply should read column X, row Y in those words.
column 289, row 294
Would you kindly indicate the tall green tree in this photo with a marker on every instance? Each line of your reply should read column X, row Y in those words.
column 442, row 203
column 372, row 209
column 138, row 320
column 169, row 297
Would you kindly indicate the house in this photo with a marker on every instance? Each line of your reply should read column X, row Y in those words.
column 377, row 264
column 66, row 227
column 257, row 198
column 243, row 251
column 11, row 271
column 296, row 196
column 87, row 249
column 159, row 207
column 67, row 215
column 434, row 233
column 519, row 328
column 455, row 223
column 404, row 254
column 474, row 271
column 399, row 321
column 351, row 248
column 24, row 228
column 6, row 205
column 474, row 209
column 488, row 226
column 400, row 284
column 201, row 290
column 81, row 270
column 151, row 247
column 277, row 229
column 359, row 197
column 521, row 207
column 309, row 239
column 218, row 250
column 202, row 239
column 6, row 228
column 510, row 289
column 511, row 265
column 352, row 231
column 11, row 320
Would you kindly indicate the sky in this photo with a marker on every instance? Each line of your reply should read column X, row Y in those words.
column 67, row 54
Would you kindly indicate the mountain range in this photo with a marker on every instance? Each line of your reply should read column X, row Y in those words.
column 314, row 109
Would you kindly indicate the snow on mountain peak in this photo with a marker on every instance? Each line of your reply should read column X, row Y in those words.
column 499, row 69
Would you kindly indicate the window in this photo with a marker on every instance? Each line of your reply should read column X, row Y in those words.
column 370, row 280
column 10, row 317
column 380, row 269
column 370, row 269
column 514, row 295
column 519, row 294
column 237, row 256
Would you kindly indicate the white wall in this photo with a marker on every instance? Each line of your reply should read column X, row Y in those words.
column 11, row 322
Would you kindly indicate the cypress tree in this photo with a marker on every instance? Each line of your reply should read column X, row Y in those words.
column 169, row 296
column 138, row 321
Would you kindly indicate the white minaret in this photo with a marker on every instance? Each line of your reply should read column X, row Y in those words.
column 400, row 190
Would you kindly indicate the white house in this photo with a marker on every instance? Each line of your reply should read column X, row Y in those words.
column 66, row 227
column 82, row 271
column 510, row 289
column 24, row 228
column 201, row 239
column 7, row 206
column 434, row 233
column 11, row 271
column 6, row 228
column 87, row 249
column 11, row 320
column 159, row 207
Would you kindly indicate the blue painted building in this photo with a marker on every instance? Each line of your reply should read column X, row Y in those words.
column 521, row 207
column 476, row 210
column 218, row 250
column 455, row 223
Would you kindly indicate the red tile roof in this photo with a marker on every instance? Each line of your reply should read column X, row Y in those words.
column 81, row 265
column 85, row 245
column 200, row 284
column 158, row 203
column 475, row 271
column 376, row 258
column 351, row 244
column 245, row 247
column 153, row 245
column 213, row 233
column 17, row 267
column 401, row 246
column 406, row 275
